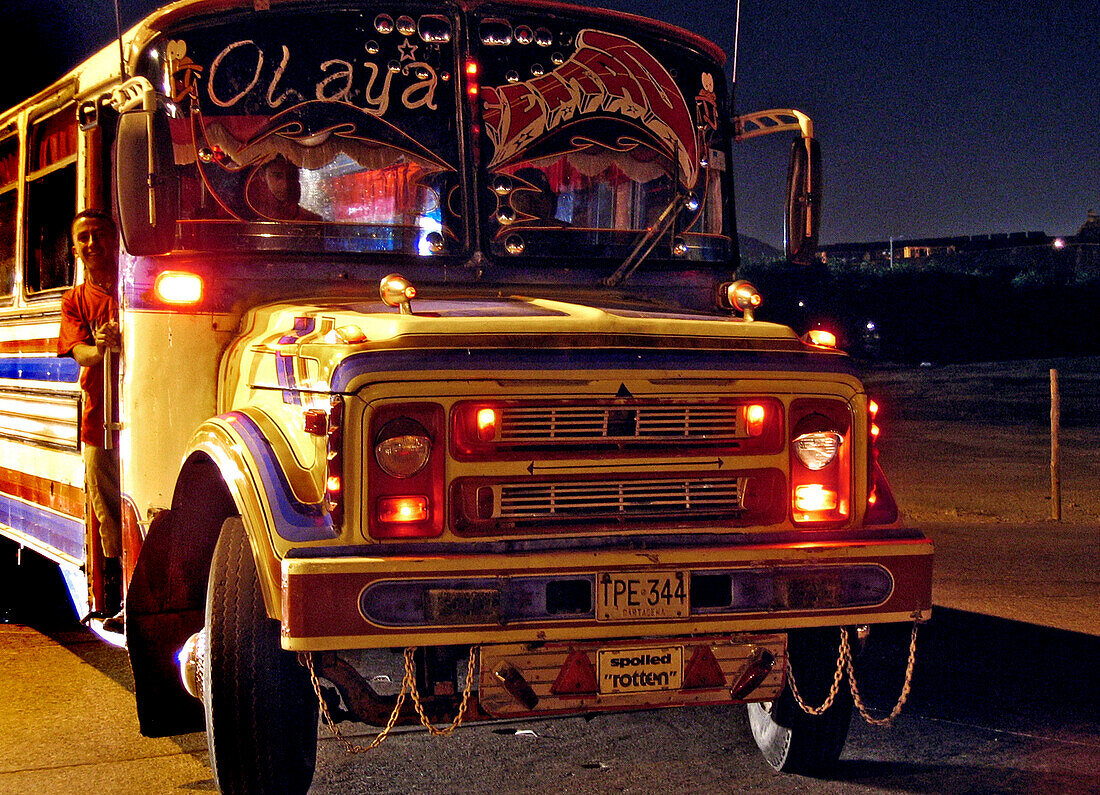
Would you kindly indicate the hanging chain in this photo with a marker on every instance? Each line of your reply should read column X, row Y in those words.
column 408, row 686
column 904, row 688
column 838, row 675
column 411, row 675
column 844, row 663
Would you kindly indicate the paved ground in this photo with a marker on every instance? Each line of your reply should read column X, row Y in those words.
column 1004, row 702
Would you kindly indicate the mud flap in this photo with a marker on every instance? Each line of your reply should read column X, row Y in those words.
column 162, row 611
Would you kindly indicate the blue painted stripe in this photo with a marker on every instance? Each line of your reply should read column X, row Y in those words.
column 284, row 371
column 284, row 363
column 63, row 533
column 60, row 369
column 526, row 359
column 294, row 520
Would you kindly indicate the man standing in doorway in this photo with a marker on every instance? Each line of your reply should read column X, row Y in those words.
column 89, row 328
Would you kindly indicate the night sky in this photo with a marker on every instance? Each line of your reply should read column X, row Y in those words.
column 936, row 118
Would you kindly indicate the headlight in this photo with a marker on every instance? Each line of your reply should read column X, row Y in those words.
column 402, row 448
column 818, row 449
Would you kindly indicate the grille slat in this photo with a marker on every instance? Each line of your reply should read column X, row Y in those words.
column 524, row 424
column 624, row 499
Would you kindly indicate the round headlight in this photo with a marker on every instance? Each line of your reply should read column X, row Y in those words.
column 817, row 450
column 402, row 448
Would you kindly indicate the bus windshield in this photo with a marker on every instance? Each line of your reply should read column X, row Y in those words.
column 594, row 131
column 541, row 138
column 327, row 130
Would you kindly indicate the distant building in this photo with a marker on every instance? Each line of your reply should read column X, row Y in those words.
column 884, row 252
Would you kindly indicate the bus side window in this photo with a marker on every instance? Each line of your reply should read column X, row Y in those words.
column 51, row 202
column 9, row 194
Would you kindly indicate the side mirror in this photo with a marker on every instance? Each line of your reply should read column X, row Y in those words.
column 803, row 212
column 148, row 202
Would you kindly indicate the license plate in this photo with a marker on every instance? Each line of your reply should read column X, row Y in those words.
column 640, row 670
column 625, row 596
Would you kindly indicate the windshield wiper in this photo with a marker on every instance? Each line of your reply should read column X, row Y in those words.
column 648, row 240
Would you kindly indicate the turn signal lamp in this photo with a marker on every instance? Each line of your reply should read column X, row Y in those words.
column 402, row 510
column 178, row 288
column 813, row 498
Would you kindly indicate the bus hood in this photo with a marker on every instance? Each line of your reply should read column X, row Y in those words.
column 338, row 346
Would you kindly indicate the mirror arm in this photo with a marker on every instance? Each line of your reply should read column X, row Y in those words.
column 765, row 122
column 149, row 108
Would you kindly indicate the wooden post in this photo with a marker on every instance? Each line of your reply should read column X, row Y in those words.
column 1055, row 473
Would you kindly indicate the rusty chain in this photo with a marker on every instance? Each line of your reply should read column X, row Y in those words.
column 408, row 687
column 844, row 664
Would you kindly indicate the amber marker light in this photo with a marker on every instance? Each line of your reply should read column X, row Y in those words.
column 178, row 288
column 402, row 509
column 814, row 497
column 818, row 336
column 872, row 411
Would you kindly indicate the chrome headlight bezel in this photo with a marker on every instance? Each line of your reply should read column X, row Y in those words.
column 817, row 449
column 402, row 448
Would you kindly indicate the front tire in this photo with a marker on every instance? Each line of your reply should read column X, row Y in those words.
column 792, row 740
column 261, row 711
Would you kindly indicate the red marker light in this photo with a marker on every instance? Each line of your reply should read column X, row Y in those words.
column 472, row 87
column 487, row 424
column 754, row 419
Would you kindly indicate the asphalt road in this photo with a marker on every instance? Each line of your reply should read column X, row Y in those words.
column 1004, row 701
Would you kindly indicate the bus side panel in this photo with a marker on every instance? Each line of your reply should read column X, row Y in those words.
column 41, row 473
column 169, row 389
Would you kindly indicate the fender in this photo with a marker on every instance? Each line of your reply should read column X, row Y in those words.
column 231, row 468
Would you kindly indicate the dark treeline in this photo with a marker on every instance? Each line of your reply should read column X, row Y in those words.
column 1025, row 302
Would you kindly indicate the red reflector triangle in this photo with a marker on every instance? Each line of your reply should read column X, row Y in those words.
column 703, row 670
column 576, row 675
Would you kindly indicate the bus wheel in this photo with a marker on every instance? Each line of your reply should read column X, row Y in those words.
column 792, row 740
column 261, row 713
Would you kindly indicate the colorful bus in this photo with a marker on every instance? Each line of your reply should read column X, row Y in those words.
column 438, row 398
